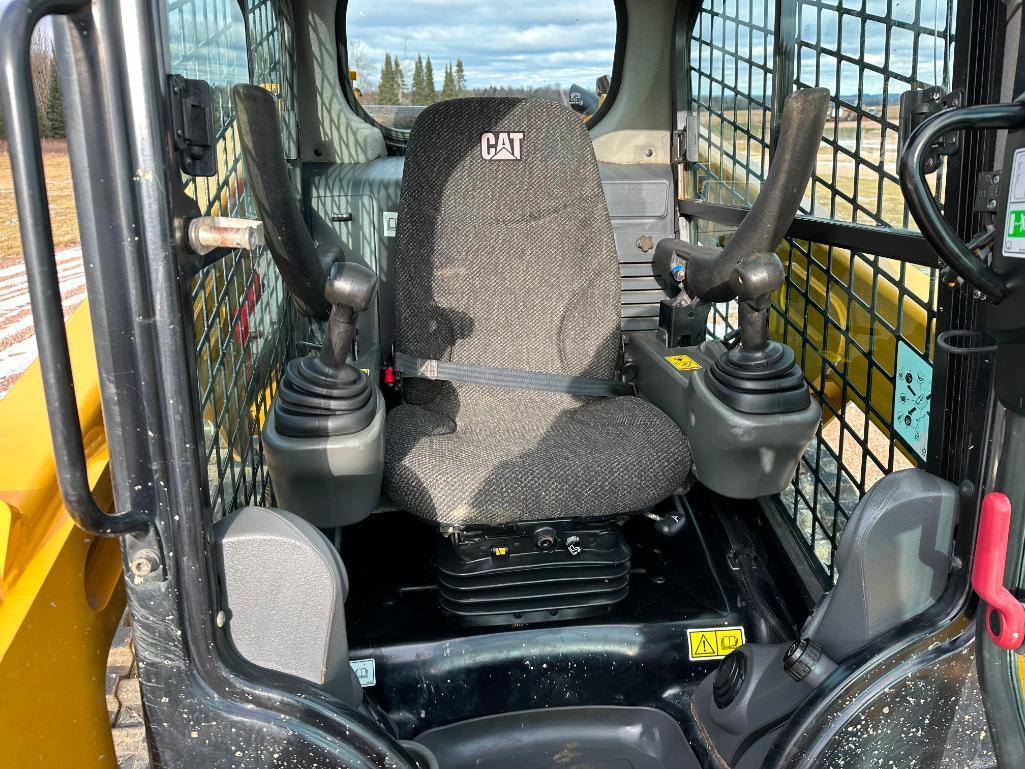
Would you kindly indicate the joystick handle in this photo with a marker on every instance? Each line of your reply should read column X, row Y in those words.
column 350, row 289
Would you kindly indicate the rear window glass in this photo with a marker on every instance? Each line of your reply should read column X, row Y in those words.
column 407, row 54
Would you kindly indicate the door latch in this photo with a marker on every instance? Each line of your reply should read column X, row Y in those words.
column 916, row 107
column 192, row 123
column 1005, row 614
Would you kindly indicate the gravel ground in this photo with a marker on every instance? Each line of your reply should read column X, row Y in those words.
column 124, row 703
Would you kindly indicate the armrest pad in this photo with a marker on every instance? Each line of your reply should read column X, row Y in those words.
column 670, row 252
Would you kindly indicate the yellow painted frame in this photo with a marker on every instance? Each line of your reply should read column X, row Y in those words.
column 61, row 594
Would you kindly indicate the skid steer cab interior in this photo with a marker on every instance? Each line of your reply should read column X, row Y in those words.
column 508, row 426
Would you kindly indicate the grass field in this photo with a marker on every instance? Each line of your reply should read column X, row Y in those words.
column 62, row 202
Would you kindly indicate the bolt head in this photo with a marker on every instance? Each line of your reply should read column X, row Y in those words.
column 144, row 564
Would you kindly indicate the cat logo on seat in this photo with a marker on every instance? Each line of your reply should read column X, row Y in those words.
column 504, row 145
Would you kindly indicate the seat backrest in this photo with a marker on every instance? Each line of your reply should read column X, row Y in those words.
column 505, row 253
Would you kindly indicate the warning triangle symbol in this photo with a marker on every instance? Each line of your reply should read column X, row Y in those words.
column 704, row 647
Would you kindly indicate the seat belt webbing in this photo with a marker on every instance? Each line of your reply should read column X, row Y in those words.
column 516, row 379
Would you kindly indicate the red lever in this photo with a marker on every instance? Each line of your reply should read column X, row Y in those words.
column 988, row 573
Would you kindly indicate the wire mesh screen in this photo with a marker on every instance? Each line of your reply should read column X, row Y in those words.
column 731, row 93
column 860, row 324
column 731, row 87
column 244, row 325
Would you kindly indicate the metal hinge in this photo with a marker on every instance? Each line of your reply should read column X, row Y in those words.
column 987, row 191
column 916, row 107
column 685, row 142
column 192, row 123
column 679, row 153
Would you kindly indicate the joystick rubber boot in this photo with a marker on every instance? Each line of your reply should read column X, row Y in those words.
column 326, row 396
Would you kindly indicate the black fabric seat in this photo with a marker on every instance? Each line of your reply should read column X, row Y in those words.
column 510, row 262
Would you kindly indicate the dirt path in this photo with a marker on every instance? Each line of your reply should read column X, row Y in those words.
column 17, row 337
column 17, row 341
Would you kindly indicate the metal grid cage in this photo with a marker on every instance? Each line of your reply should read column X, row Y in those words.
column 731, row 95
column 855, row 320
column 244, row 325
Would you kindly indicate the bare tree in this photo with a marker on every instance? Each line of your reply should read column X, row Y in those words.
column 42, row 63
column 359, row 60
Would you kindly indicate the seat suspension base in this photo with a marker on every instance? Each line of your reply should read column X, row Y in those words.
column 538, row 572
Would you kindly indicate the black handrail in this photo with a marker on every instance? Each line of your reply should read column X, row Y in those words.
column 900, row 245
column 922, row 205
column 18, row 19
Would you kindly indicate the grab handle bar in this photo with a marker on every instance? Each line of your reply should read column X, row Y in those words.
column 922, row 205
column 18, row 19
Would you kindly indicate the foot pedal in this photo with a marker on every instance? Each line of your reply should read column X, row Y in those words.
column 541, row 572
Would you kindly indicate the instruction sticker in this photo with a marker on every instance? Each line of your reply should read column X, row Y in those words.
column 1014, row 227
column 912, row 396
column 713, row 643
column 683, row 362
column 366, row 672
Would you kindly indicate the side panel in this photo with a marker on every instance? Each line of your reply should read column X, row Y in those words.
column 860, row 323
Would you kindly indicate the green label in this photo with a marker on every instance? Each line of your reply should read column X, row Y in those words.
column 1016, row 227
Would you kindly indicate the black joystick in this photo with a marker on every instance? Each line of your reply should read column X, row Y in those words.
column 324, row 395
column 757, row 376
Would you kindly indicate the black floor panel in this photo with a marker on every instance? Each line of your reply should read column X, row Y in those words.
column 390, row 559
column 431, row 672
column 567, row 738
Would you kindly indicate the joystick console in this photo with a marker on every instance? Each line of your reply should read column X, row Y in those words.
column 324, row 437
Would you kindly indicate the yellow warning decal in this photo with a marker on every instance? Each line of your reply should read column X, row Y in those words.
column 713, row 643
column 683, row 362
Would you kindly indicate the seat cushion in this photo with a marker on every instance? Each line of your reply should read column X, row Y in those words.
column 601, row 457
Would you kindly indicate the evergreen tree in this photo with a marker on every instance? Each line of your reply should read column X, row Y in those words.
column 448, row 86
column 460, row 75
column 419, row 94
column 400, row 82
column 388, row 91
column 430, row 93
column 53, row 110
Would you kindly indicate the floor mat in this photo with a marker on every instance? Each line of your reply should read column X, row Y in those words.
column 563, row 738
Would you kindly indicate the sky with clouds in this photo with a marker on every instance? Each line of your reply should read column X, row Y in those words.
column 538, row 43
column 524, row 43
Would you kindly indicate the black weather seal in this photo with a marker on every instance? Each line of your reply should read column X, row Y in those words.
column 18, row 19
